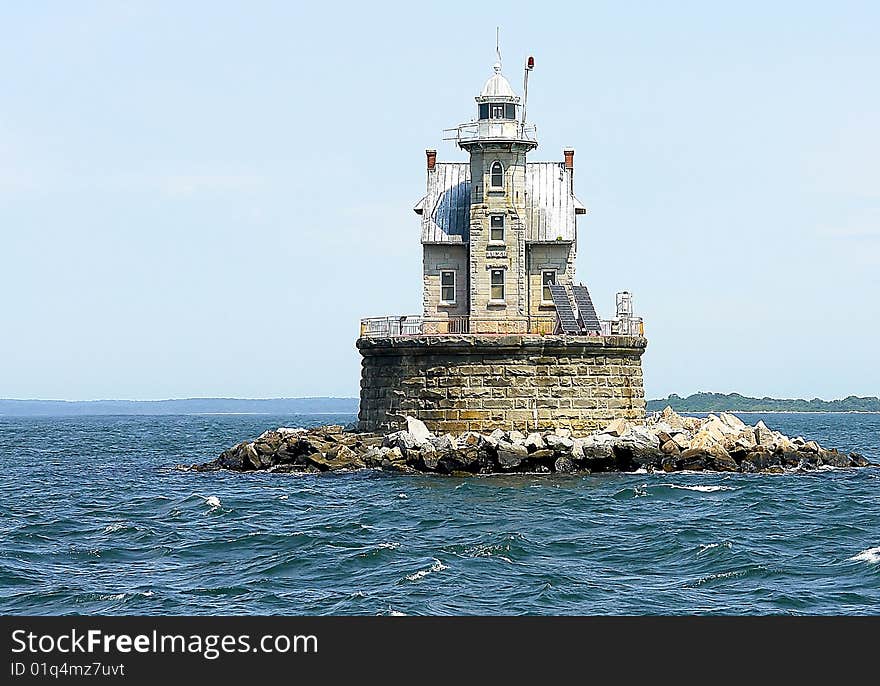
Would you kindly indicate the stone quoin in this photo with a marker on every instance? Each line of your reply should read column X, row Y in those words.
column 507, row 338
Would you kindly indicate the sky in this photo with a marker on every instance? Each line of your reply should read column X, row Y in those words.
column 204, row 198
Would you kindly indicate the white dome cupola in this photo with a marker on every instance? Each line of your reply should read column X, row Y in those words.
column 499, row 116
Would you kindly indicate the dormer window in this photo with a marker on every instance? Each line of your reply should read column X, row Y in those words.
column 497, row 175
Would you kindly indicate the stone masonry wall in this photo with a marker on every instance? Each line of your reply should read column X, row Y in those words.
column 479, row 383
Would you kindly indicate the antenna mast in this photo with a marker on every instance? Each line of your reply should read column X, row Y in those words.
column 530, row 64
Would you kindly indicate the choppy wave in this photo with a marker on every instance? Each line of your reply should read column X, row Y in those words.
column 701, row 488
column 118, row 530
column 422, row 573
column 871, row 555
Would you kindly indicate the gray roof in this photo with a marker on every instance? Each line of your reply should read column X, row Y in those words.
column 446, row 209
column 550, row 205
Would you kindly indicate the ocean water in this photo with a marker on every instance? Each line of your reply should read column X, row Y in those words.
column 95, row 518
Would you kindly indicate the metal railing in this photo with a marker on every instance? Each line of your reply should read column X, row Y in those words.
column 377, row 327
column 415, row 325
column 491, row 129
column 631, row 326
column 458, row 324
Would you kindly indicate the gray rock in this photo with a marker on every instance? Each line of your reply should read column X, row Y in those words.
column 511, row 455
column 559, row 444
column 534, row 441
column 444, row 442
column 668, row 463
column 763, row 435
column 400, row 439
column 563, row 465
column 670, row 448
column 832, row 458
column 858, row 460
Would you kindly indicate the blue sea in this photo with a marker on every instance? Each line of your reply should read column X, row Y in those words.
column 95, row 517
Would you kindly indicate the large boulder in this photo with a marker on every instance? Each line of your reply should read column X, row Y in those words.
column 720, row 460
column 341, row 457
column 417, row 429
column 639, row 445
column 669, row 417
column 832, row 458
column 534, row 441
column 692, row 459
column 510, row 455
column 760, row 459
column 734, row 423
column 563, row 465
column 858, row 460
column 559, row 444
column 401, row 439
column 763, row 435
column 616, row 428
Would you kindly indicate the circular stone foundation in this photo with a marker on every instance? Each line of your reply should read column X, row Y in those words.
column 480, row 383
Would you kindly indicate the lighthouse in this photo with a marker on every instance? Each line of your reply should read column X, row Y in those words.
column 498, row 230
column 507, row 337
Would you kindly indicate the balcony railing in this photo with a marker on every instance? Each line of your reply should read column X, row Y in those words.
column 492, row 129
column 415, row 325
column 379, row 327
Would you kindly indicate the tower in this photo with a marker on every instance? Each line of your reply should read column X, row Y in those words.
column 497, row 144
column 499, row 238
column 497, row 230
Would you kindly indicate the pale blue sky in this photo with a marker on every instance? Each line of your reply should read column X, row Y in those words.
column 203, row 198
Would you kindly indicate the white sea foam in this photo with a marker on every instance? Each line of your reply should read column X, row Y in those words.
column 709, row 546
column 211, row 501
column 702, row 489
column 436, row 567
column 403, row 496
column 283, row 497
column 389, row 546
column 115, row 526
column 871, row 556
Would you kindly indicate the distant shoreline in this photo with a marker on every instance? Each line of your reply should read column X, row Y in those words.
column 699, row 403
column 779, row 411
column 735, row 402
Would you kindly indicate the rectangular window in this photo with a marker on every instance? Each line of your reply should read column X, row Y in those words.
column 447, row 287
column 497, row 111
column 484, row 110
column 510, row 111
column 497, row 292
column 548, row 277
column 496, row 227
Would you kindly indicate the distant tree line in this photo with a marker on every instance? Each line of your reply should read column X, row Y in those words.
column 734, row 402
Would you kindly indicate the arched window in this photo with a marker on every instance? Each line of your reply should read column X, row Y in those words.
column 497, row 175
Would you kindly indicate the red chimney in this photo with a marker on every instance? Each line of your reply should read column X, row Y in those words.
column 432, row 158
column 569, row 158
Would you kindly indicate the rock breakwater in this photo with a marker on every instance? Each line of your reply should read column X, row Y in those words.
column 665, row 442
